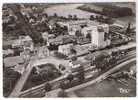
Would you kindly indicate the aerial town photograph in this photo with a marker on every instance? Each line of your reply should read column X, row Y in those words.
column 67, row 50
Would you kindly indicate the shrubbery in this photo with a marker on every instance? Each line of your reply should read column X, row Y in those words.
column 47, row 73
column 60, row 55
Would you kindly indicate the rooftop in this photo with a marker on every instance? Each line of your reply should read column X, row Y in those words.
column 13, row 61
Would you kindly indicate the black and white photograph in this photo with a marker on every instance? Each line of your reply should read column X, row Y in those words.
column 67, row 50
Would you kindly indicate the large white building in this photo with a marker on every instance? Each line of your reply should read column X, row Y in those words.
column 45, row 36
column 65, row 49
column 98, row 34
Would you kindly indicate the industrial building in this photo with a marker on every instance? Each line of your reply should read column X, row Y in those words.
column 99, row 35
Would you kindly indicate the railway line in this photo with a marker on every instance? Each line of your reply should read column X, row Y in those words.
column 88, row 74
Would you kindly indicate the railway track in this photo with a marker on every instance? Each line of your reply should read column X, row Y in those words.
column 55, row 83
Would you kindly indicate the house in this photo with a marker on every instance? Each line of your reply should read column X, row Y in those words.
column 26, row 55
column 7, row 44
column 45, row 38
column 76, row 65
column 24, row 42
column 8, row 52
column 19, row 68
column 42, row 52
column 65, row 49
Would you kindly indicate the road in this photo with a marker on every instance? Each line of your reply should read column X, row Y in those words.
column 22, row 80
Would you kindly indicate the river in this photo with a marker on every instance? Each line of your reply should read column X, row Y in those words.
column 68, row 9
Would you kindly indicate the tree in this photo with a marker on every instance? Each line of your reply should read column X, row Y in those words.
column 74, row 58
column 62, row 85
column 70, row 77
column 34, row 70
column 75, row 17
column 80, row 74
column 69, row 17
column 48, row 87
column 62, row 93
column 37, row 38
column 12, row 19
column 78, row 33
column 128, row 28
column 46, row 15
column 88, row 36
column 101, row 18
column 73, row 51
column 97, row 17
column 55, row 15
column 91, row 17
column 101, row 61
column 61, row 67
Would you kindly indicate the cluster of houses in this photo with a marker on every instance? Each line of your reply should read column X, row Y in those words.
column 98, row 32
column 17, row 52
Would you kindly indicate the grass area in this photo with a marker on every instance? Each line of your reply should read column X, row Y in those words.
column 44, row 73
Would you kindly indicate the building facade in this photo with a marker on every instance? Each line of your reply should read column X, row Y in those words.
column 73, row 26
column 65, row 49
column 24, row 42
column 99, row 35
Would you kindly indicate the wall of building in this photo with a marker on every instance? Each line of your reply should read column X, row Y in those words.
column 98, row 37
column 65, row 49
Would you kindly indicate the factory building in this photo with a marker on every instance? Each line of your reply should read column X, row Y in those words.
column 99, row 35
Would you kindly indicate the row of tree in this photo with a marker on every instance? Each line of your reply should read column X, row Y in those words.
column 102, row 19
